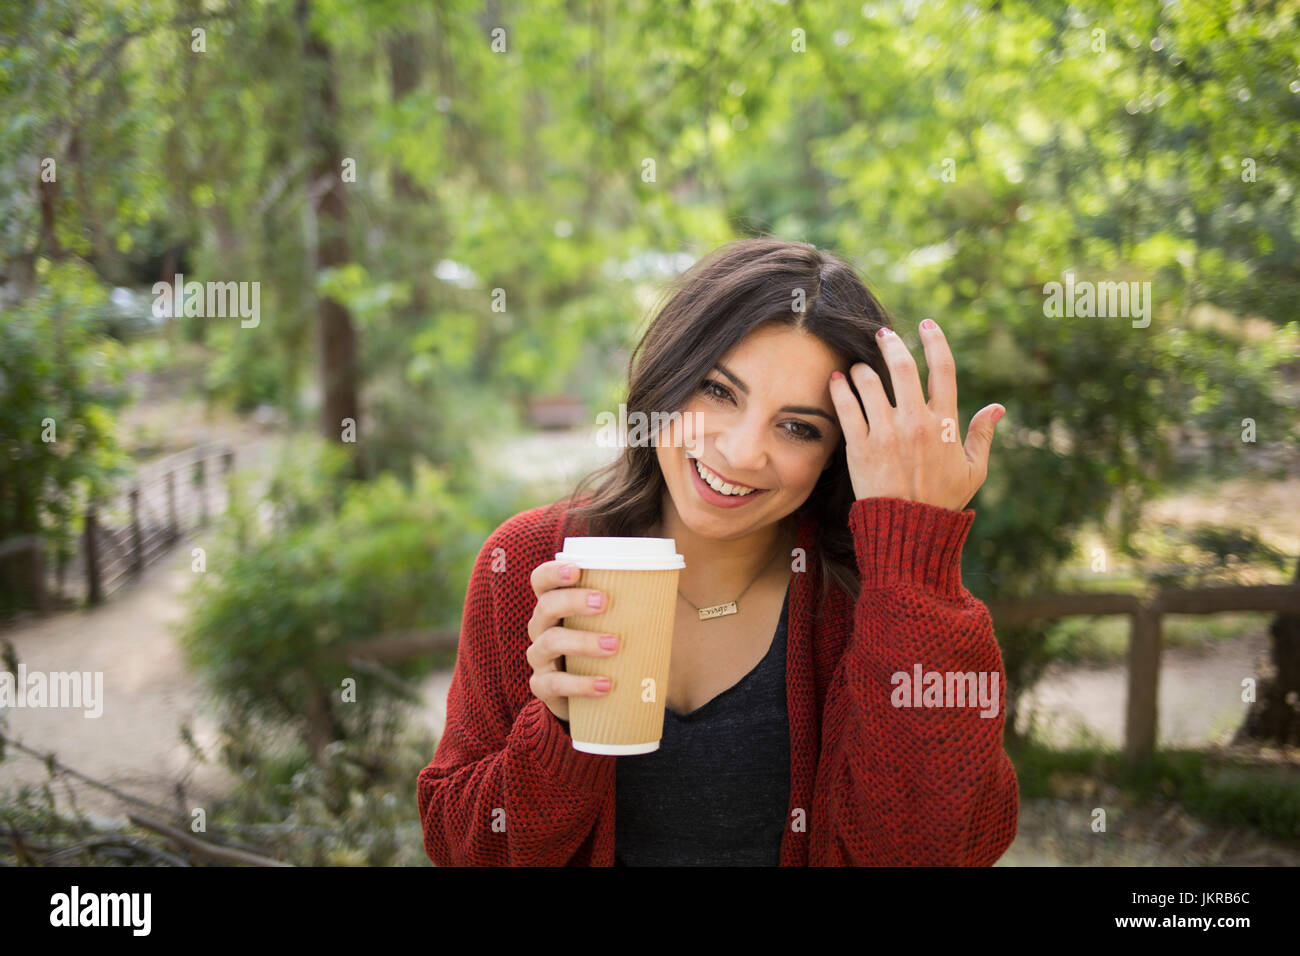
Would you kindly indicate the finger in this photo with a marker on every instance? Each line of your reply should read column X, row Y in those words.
column 941, row 380
column 902, row 371
column 559, row 642
column 553, row 574
column 979, row 440
column 561, row 684
column 559, row 603
column 848, row 410
column 880, row 414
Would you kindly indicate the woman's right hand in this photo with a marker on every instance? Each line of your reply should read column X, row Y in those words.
column 556, row 600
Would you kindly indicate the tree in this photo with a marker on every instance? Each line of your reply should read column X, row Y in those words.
column 337, row 337
column 1274, row 717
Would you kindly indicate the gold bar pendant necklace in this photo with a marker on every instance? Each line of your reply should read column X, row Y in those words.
column 731, row 607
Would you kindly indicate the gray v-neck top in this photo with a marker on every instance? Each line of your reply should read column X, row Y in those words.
column 717, row 790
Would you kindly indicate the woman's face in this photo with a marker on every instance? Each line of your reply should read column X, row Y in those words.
column 763, row 419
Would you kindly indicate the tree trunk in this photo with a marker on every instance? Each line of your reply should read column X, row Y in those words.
column 417, row 222
column 323, row 725
column 1274, row 717
column 49, row 193
column 336, row 336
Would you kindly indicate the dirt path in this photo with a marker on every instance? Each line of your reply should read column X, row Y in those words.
column 1059, row 833
column 1200, row 696
column 148, row 693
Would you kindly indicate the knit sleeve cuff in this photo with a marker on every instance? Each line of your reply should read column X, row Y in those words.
column 542, row 735
column 898, row 541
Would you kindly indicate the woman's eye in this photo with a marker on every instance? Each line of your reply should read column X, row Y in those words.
column 715, row 389
column 808, row 434
column 801, row 432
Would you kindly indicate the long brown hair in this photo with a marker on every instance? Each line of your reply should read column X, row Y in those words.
column 713, row 306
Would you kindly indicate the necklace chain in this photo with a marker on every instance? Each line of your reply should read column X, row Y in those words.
column 732, row 606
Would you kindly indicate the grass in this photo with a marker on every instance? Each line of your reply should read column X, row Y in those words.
column 1220, row 788
column 1104, row 640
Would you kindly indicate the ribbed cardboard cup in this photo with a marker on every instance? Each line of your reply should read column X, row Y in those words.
column 639, row 578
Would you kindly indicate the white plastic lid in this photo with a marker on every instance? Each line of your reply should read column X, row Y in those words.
column 622, row 554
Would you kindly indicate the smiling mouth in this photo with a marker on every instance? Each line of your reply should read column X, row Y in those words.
column 720, row 484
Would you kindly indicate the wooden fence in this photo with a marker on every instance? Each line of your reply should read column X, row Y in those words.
column 1145, row 641
column 126, row 533
column 1143, row 651
column 129, row 530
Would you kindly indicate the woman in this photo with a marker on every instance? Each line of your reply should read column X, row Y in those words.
column 804, row 726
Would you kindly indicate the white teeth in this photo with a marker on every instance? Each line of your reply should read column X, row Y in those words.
column 718, row 485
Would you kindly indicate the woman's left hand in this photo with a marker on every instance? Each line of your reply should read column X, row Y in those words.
column 913, row 451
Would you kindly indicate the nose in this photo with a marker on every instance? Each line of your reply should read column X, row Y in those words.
column 740, row 443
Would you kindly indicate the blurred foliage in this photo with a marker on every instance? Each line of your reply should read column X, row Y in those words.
column 515, row 210
column 61, row 378
column 1206, row 555
column 961, row 155
column 350, row 808
column 350, row 805
column 1103, row 641
column 315, row 564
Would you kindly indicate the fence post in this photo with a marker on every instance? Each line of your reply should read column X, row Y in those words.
column 1143, row 684
column 228, row 474
column 14, row 551
column 93, row 592
column 173, row 531
column 137, row 551
column 201, row 484
column 38, row 574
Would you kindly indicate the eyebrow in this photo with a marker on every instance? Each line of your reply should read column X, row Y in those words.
column 798, row 409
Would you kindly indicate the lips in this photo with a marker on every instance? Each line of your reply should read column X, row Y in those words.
column 727, row 480
column 716, row 498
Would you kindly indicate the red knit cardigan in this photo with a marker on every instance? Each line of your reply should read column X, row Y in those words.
column 870, row 783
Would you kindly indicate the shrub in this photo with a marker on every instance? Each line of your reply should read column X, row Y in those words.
column 321, row 564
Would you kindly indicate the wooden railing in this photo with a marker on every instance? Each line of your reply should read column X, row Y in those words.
column 129, row 530
column 1145, row 628
column 1144, row 648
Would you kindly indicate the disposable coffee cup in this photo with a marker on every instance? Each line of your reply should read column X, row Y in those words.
column 638, row 576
